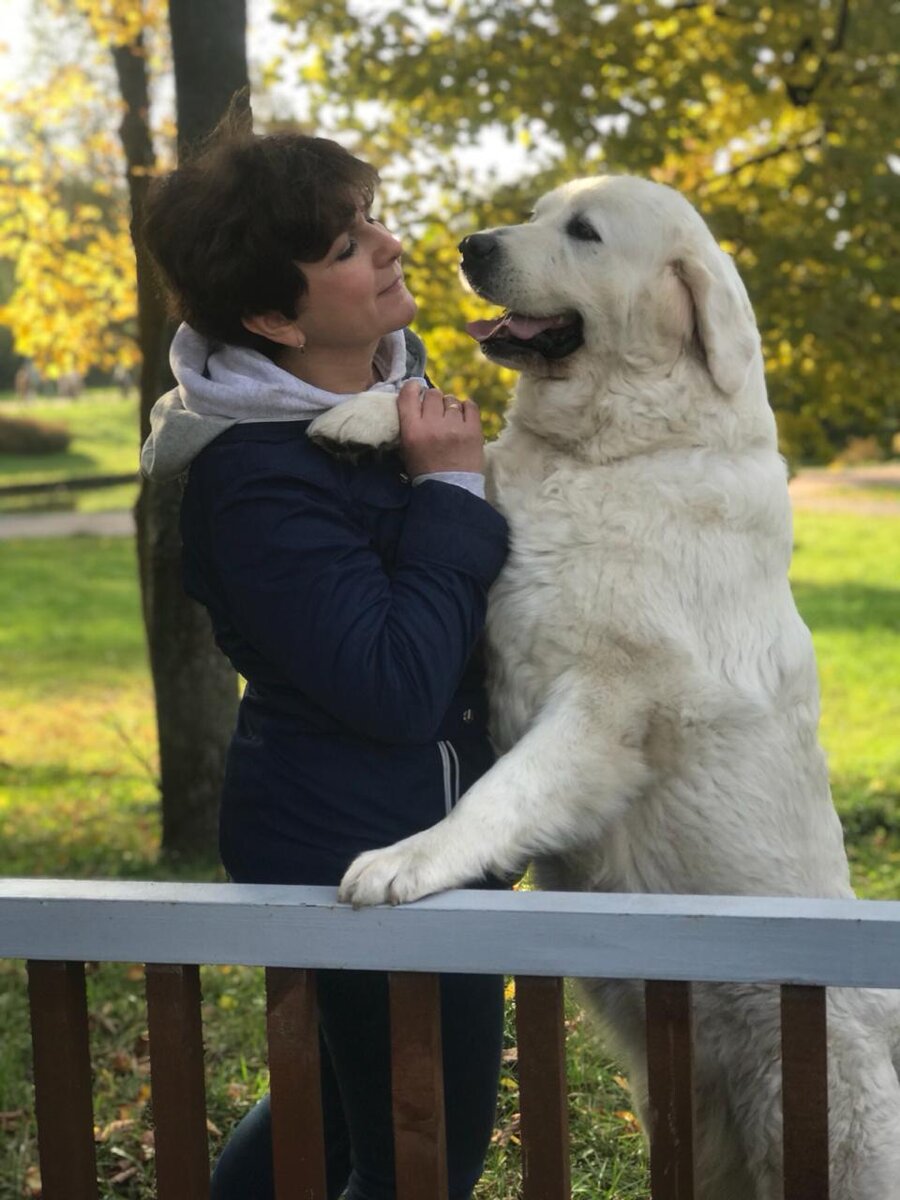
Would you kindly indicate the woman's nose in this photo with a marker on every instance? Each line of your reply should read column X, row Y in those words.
column 391, row 247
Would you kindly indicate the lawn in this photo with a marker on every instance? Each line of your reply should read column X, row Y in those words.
column 104, row 428
column 845, row 579
column 78, row 797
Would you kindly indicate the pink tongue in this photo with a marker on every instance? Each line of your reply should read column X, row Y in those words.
column 520, row 327
column 482, row 330
column 529, row 327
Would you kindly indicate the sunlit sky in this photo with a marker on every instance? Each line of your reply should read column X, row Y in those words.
column 13, row 37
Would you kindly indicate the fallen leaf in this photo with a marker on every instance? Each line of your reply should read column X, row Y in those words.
column 628, row 1117
column 113, row 1127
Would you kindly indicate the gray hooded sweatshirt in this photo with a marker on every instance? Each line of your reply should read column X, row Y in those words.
column 219, row 386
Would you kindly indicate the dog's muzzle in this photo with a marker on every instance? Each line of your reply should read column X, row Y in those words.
column 515, row 337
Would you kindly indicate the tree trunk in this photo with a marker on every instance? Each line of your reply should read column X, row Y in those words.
column 209, row 50
column 195, row 686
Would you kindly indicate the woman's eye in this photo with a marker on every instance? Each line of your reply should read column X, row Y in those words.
column 349, row 252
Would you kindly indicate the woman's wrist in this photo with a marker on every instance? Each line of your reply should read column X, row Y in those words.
column 470, row 481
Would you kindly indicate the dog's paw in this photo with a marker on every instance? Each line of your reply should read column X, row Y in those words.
column 367, row 421
column 396, row 875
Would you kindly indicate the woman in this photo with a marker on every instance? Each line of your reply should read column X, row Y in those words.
column 350, row 595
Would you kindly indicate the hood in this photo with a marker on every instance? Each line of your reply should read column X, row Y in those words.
column 219, row 386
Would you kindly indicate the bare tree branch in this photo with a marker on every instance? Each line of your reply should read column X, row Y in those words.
column 815, row 139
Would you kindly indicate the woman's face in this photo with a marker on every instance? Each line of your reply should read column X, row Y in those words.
column 356, row 293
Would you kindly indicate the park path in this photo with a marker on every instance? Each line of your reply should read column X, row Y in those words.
column 826, row 489
column 867, row 491
column 66, row 524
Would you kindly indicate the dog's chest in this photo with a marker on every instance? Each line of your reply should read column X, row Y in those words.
column 547, row 607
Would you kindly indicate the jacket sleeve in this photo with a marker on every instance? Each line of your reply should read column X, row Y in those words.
column 383, row 652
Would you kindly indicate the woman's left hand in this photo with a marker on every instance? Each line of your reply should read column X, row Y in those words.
column 439, row 432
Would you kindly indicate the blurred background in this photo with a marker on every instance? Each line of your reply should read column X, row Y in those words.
column 780, row 123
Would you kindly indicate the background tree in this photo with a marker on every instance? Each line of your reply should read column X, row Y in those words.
column 194, row 684
column 776, row 119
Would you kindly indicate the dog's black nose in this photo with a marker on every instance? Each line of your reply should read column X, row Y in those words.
column 478, row 246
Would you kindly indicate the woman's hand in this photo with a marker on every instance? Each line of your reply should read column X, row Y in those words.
column 438, row 432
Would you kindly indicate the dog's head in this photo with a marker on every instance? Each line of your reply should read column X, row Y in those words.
column 611, row 270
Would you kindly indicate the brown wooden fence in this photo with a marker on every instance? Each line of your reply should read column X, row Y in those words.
column 62, row 1079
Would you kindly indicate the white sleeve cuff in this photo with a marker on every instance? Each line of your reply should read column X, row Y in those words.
column 471, row 481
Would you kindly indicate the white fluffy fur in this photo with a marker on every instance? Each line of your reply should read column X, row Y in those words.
column 653, row 687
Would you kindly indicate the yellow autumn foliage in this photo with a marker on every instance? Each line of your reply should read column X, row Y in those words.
column 63, row 203
column 774, row 119
column 115, row 22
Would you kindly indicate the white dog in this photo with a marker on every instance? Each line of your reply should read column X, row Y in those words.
column 653, row 687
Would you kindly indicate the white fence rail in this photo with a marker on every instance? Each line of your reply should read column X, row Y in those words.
column 737, row 939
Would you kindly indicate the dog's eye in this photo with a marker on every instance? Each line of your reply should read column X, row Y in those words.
column 582, row 230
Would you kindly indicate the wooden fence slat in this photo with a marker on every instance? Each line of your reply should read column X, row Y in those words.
column 543, row 1092
column 417, row 1082
column 298, row 1138
column 671, row 1089
column 804, row 1080
column 62, row 1080
column 177, row 1082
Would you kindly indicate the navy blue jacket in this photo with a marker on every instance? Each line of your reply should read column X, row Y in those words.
column 353, row 605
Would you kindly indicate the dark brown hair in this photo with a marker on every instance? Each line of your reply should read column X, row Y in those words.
column 226, row 229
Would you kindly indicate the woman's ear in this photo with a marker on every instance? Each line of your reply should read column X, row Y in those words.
column 277, row 328
column 724, row 319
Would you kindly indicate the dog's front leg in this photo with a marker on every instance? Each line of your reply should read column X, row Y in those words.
column 560, row 785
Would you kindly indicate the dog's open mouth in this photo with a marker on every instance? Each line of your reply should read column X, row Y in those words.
column 550, row 337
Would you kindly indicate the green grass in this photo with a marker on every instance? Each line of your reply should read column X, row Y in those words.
column 845, row 578
column 104, row 428
column 78, row 797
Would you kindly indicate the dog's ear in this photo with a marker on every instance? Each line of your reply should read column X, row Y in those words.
column 724, row 318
